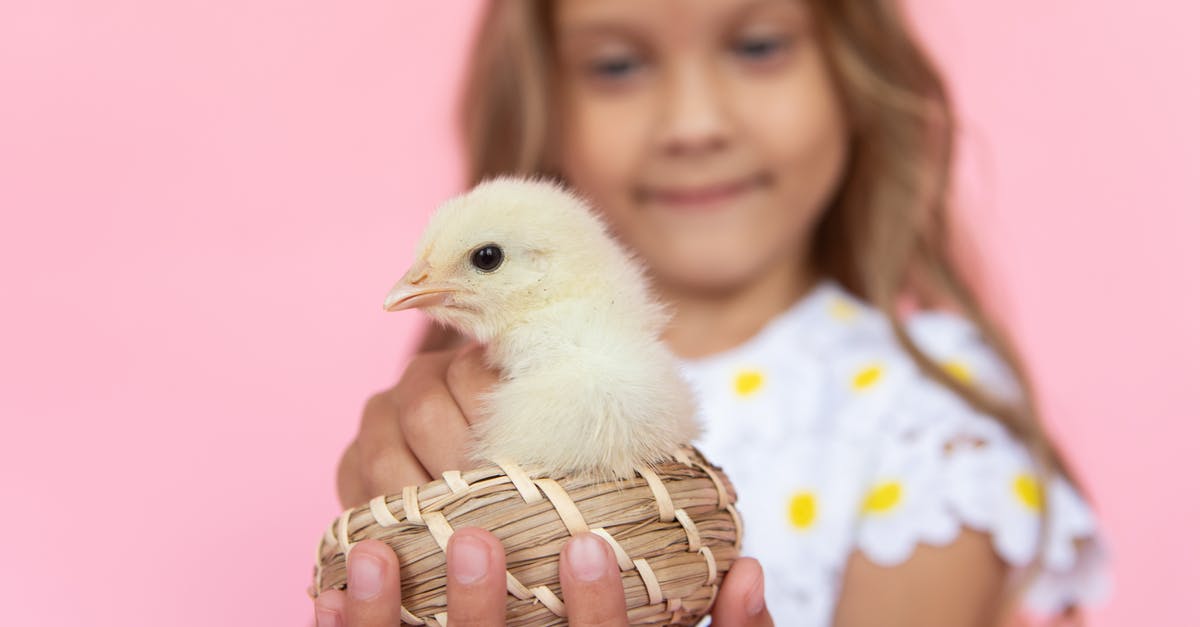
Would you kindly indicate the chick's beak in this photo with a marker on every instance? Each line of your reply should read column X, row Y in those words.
column 416, row 291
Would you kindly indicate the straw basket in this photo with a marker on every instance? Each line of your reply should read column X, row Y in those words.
column 673, row 528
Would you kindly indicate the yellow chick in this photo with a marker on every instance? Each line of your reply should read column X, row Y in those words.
column 565, row 314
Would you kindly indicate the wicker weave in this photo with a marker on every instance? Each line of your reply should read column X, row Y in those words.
column 673, row 528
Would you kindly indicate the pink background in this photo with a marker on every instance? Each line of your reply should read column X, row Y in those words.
column 204, row 203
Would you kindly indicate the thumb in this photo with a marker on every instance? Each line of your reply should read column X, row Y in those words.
column 740, row 601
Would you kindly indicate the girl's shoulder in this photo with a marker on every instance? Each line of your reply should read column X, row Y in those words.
column 855, row 447
column 938, row 465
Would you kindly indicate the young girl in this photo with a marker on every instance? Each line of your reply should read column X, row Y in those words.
column 782, row 167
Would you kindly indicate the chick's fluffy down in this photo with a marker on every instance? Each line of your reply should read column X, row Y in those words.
column 588, row 393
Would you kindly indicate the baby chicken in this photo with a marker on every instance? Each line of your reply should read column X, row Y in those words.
column 586, row 386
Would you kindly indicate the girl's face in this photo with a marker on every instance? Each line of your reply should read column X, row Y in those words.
column 709, row 133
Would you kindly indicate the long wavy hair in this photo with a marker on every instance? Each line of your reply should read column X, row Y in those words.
column 886, row 236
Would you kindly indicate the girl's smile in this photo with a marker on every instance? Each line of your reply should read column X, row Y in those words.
column 694, row 197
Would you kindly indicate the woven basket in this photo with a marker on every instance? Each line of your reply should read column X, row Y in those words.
column 673, row 527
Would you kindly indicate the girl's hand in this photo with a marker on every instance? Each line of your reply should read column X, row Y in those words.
column 417, row 429
column 476, row 586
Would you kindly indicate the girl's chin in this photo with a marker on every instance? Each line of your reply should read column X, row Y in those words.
column 707, row 281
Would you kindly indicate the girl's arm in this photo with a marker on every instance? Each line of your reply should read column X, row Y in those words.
column 957, row 585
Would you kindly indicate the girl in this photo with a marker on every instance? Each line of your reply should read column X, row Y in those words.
column 782, row 167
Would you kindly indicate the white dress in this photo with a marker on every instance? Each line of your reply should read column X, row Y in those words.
column 836, row 442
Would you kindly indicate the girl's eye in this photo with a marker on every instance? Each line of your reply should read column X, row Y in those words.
column 613, row 67
column 761, row 48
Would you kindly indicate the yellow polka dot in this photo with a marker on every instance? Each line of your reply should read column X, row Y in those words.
column 747, row 382
column 959, row 370
column 1028, row 491
column 867, row 377
column 842, row 309
column 802, row 509
column 883, row 498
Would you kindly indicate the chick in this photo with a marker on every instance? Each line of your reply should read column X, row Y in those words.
column 565, row 314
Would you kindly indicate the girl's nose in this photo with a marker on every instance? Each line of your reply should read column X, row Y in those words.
column 695, row 116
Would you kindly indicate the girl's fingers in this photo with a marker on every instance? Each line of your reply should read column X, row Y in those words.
column 373, row 596
column 383, row 461
column 419, row 428
column 740, row 601
column 591, row 583
column 431, row 422
column 329, row 609
column 436, row 432
column 475, row 583
column 468, row 378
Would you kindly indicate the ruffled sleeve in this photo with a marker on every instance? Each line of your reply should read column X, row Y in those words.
column 940, row 466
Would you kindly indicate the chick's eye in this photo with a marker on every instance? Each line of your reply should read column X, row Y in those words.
column 487, row 258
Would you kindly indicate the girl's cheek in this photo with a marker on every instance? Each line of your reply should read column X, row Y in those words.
column 604, row 143
column 795, row 119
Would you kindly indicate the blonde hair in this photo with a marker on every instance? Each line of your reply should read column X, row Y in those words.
column 886, row 236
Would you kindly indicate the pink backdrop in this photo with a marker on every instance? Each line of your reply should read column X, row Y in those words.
column 204, row 203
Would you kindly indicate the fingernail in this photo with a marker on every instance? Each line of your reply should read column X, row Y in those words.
column 328, row 618
column 366, row 574
column 586, row 557
column 754, row 600
column 468, row 559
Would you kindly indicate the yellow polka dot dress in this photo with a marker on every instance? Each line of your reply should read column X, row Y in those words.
column 838, row 443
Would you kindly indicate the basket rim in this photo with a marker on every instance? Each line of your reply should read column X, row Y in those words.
column 420, row 506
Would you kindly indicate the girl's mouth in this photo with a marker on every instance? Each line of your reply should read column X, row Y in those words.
column 701, row 197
